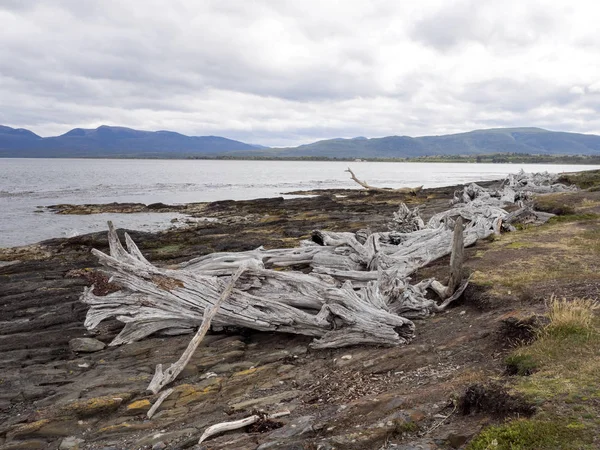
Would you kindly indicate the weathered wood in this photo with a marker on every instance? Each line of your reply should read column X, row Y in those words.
column 156, row 299
column 159, row 401
column 237, row 424
column 456, row 264
column 406, row 221
column 357, row 290
column 162, row 378
column 368, row 187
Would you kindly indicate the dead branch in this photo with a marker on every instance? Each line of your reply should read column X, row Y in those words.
column 158, row 402
column 237, row 424
column 161, row 378
column 368, row 187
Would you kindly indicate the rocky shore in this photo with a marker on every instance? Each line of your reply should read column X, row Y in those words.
column 60, row 391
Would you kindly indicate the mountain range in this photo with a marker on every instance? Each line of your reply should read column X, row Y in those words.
column 108, row 141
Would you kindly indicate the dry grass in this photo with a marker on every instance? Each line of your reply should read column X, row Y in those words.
column 559, row 374
column 570, row 316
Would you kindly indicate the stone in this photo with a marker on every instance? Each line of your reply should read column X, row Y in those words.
column 296, row 427
column 71, row 443
column 43, row 428
column 138, row 407
column 157, row 438
column 263, row 401
column 417, row 416
column 232, row 367
column 91, row 407
column 26, row 445
column 86, row 345
column 457, row 440
column 126, row 427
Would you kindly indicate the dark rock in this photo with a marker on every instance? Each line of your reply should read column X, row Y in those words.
column 86, row 345
column 457, row 440
column 297, row 427
column 26, row 445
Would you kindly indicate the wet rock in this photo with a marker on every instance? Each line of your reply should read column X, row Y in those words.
column 86, row 345
column 71, row 443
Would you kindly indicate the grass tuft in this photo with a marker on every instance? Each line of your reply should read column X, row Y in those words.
column 521, row 364
column 570, row 317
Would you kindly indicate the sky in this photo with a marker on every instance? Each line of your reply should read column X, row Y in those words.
column 289, row 72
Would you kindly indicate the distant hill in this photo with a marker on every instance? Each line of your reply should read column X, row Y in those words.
column 498, row 140
column 114, row 142
column 106, row 141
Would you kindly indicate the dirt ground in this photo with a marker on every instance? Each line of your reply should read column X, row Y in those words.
column 409, row 397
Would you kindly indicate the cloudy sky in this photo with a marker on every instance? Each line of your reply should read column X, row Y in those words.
column 286, row 72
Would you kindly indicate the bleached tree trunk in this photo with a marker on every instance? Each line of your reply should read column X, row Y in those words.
column 368, row 187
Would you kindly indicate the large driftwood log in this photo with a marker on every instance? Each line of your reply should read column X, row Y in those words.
column 515, row 187
column 368, row 187
column 357, row 290
column 156, row 299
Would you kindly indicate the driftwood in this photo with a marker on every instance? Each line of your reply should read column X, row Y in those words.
column 237, row 424
column 324, row 304
column 356, row 291
column 159, row 401
column 517, row 187
column 161, row 378
column 368, row 187
column 456, row 264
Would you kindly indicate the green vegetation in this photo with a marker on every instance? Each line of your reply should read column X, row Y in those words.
column 585, row 180
column 520, row 365
column 574, row 218
column 527, row 434
column 562, row 368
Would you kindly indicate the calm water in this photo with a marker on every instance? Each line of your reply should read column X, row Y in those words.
column 27, row 184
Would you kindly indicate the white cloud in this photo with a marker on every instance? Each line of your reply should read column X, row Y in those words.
column 288, row 72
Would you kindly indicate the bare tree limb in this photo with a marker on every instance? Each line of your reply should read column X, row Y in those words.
column 159, row 402
column 237, row 424
column 161, row 378
column 378, row 189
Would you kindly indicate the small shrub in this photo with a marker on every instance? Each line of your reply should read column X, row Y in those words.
column 523, row 365
column 493, row 399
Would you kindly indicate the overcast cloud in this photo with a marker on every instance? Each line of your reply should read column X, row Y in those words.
column 287, row 72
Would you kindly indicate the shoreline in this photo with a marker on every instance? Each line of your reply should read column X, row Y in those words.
column 227, row 212
column 50, row 392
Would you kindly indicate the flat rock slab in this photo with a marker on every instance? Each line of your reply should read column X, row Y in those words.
column 86, row 345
